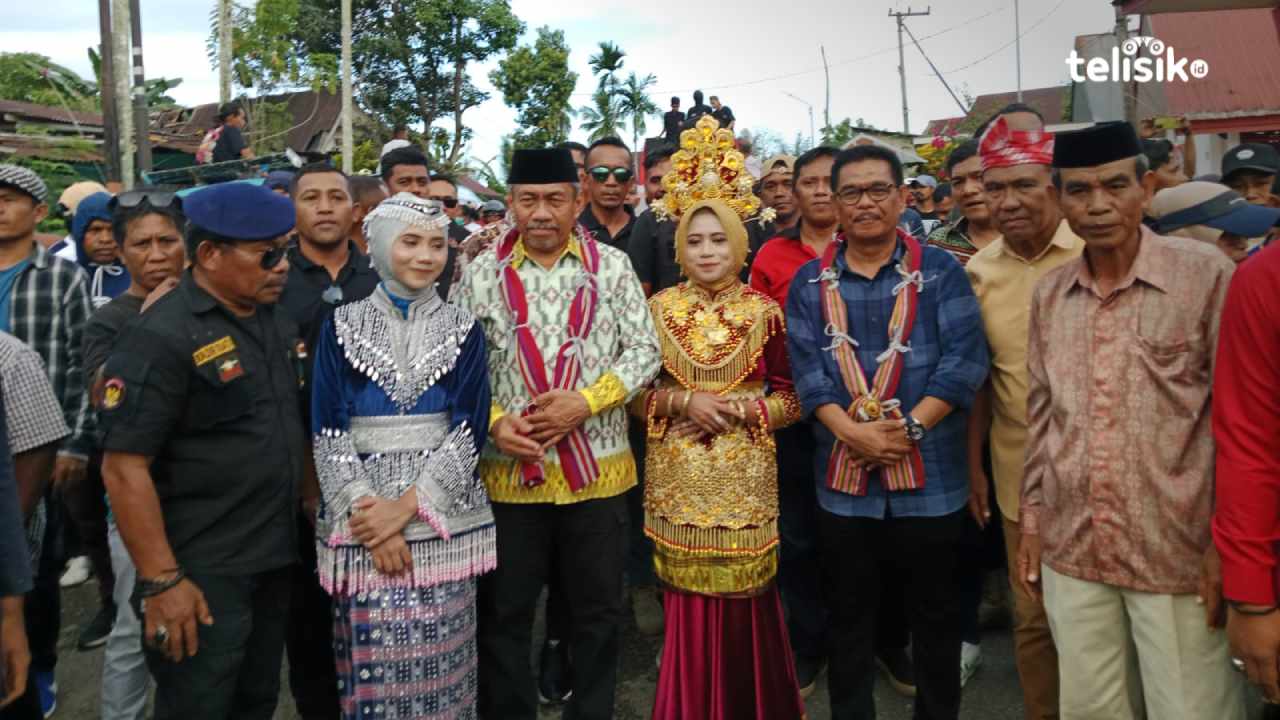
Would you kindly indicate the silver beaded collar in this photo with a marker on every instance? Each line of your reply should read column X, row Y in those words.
column 403, row 356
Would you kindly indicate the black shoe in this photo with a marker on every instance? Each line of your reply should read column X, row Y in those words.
column 807, row 672
column 554, row 677
column 899, row 669
column 95, row 633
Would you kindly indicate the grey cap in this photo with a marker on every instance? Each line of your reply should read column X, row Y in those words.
column 493, row 206
column 23, row 179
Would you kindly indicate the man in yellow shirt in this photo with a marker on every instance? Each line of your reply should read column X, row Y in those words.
column 1034, row 239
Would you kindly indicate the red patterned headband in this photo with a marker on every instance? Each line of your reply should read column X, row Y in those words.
column 1003, row 147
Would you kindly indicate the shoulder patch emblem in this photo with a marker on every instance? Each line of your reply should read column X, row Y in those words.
column 113, row 394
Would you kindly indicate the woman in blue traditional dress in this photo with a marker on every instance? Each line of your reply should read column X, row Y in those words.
column 400, row 411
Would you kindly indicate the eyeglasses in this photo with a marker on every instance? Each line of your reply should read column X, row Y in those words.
column 154, row 198
column 332, row 295
column 878, row 193
column 449, row 202
column 600, row 173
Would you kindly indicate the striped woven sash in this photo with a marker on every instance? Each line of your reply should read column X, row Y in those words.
column 576, row 459
column 875, row 400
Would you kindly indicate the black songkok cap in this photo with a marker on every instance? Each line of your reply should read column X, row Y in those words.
column 542, row 167
column 1096, row 145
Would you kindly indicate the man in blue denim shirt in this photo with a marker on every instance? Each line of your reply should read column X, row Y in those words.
column 944, row 363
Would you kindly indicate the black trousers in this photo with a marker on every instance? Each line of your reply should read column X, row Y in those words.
column 799, row 568
column 855, row 552
column 235, row 675
column 86, row 507
column 588, row 540
column 43, row 606
column 313, row 679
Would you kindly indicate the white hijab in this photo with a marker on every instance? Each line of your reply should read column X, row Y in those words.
column 388, row 221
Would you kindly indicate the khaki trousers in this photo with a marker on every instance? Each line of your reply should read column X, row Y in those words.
column 1122, row 651
column 1033, row 648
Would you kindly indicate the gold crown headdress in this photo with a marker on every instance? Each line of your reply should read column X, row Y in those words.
column 709, row 167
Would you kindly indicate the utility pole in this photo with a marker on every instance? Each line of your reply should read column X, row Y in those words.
column 826, row 108
column 107, row 87
column 813, row 142
column 1017, row 45
column 122, row 29
column 140, row 118
column 348, row 144
column 1128, row 90
column 224, row 51
column 934, row 68
column 902, row 63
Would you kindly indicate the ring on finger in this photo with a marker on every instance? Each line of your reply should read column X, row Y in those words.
column 161, row 637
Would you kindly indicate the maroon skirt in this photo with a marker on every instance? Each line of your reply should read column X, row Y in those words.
column 726, row 659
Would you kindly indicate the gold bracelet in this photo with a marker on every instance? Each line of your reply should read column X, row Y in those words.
column 688, row 397
column 667, row 394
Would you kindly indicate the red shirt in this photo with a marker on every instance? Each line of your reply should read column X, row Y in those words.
column 777, row 262
column 1246, row 428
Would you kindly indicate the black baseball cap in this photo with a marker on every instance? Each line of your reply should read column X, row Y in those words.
column 1251, row 156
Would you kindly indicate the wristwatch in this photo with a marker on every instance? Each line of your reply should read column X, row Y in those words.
column 915, row 430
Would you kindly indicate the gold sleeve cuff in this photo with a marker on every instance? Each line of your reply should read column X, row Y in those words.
column 495, row 414
column 784, row 409
column 605, row 393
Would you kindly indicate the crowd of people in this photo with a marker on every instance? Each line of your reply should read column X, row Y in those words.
column 797, row 413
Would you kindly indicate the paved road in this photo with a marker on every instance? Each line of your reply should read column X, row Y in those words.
column 993, row 693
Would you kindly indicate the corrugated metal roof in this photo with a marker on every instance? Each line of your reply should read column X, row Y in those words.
column 1150, row 7
column 46, row 112
column 1242, row 48
column 946, row 126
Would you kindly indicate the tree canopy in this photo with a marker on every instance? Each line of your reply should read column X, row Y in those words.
column 536, row 81
column 410, row 58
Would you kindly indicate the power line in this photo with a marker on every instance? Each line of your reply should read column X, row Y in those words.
column 787, row 76
column 1009, row 44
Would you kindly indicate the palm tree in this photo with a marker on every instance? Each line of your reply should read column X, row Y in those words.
column 603, row 117
column 634, row 103
column 606, row 64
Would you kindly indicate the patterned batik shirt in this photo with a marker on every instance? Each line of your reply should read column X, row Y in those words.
column 620, row 357
column 1118, row 482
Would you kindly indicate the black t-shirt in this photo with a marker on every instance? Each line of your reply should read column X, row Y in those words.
column 309, row 301
column 213, row 399
column 230, row 143
column 696, row 112
column 724, row 115
column 102, row 329
column 588, row 220
column 672, row 124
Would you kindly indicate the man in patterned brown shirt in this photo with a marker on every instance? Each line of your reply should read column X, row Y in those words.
column 1118, row 488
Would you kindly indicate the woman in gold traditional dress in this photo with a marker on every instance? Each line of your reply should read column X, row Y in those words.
column 711, row 485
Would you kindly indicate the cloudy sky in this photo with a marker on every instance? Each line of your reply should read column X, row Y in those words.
column 749, row 53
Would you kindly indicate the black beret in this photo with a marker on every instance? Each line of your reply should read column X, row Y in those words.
column 240, row 211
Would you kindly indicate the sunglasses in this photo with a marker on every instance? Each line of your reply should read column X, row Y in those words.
column 269, row 259
column 449, row 202
column 600, row 173
column 154, row 198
